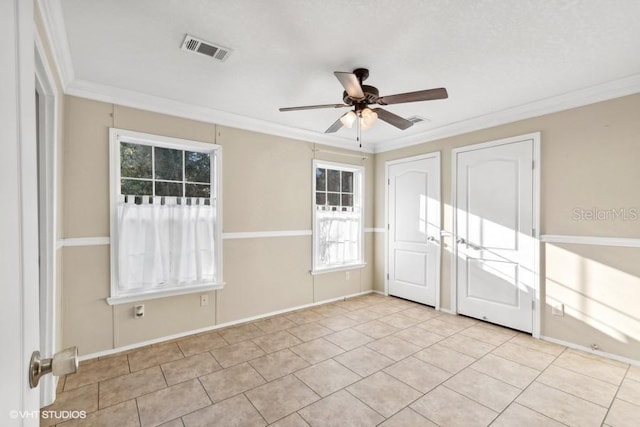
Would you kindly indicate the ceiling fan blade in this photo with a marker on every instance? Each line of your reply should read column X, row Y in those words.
column 421, row 95
column 393, row 119
column 350, row 83
column 314, row 107
column 335, row 126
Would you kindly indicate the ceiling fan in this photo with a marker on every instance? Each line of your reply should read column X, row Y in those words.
column 360, row 96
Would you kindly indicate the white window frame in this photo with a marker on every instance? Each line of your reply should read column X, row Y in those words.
column 358, row 200
column 116, row 136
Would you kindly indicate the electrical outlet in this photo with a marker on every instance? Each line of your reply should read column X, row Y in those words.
column 204, row 300
column 138, row 311
column 347, row 275
column 558, row 310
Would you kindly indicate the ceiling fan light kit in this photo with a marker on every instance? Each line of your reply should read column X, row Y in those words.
column 360, row 96
column 366, row 117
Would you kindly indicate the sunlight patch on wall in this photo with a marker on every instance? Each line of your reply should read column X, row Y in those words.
column 601, row 296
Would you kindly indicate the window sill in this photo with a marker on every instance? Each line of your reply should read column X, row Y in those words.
column 338, row 268
column 164, row 293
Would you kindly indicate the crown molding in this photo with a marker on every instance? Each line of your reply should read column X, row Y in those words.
column 129, row 98
column 602, row 92
column 56, row 35
column 597, row 93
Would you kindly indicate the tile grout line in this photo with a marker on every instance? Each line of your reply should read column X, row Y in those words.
column 256, row 409
column 591, row 376
column 616, row 395
column 138, row 411
column 524, row 389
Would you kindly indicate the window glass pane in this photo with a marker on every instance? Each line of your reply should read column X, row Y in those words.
column 347, row 182
column 333, row 180
column 321, row 199
column 135, row 160
column 197, row 167
column 131, row 187
column 198, row 190
column 169, row 189
column 168, row 164
column 321, row 179
column 333, row 199
column 347, row 200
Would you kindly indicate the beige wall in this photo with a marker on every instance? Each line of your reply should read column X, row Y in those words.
column 266, row 187
column 600, row 289
column 590, row 158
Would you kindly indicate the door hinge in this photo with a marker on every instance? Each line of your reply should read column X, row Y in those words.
column 533, row 232
column 388, row 226
column 387, row 276
column 389, row 181
column 533, row 164
column 533, row 305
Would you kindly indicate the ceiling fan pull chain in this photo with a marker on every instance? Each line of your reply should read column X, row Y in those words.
column 359, row 137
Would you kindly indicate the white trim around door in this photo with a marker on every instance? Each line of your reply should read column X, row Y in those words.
column 535, row 139
column 47, row 116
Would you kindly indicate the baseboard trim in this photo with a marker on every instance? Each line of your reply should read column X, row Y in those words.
column 589, row 350
column 109, row 352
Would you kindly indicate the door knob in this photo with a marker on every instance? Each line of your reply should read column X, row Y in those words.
column 62, row 363
column 461, row 241
column 431, row 239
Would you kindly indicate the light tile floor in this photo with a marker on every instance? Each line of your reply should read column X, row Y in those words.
column 366, row 361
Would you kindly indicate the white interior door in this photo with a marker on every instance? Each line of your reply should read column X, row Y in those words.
column 414, row 228
column 19, row 329
column 494, row 220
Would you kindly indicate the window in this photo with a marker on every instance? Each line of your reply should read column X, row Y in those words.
column 337, row 216
column 165, row 216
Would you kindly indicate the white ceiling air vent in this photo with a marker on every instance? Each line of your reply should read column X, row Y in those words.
column 195, row 45
column 417, row 119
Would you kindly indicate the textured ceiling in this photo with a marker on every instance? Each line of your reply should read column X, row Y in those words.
column 491, row 55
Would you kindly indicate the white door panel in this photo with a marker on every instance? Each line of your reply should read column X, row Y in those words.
column 19, row 329
column 414, row 229
column 410, row 267
column 494, row 228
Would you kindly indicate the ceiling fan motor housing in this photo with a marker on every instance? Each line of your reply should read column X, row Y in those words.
column 371, row 95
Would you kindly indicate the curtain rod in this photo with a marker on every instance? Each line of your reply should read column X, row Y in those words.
column 339, row 153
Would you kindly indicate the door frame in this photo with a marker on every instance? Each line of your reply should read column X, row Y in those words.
column 387, row 165
column 535, row 138
column 48, row 167
column 19, row 318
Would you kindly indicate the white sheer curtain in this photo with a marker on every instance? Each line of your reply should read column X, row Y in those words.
column 165, row 244
column 338, row 238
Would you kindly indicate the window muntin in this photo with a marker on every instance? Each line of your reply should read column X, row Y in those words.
column 176, row 184
column 334, row 189
column 147, row 170
column 338, row 216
